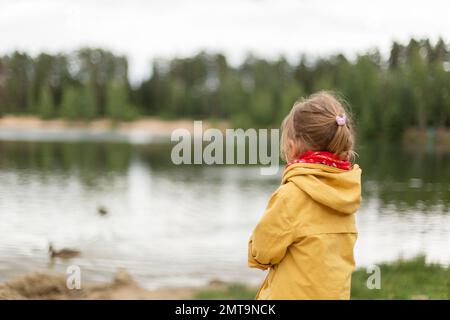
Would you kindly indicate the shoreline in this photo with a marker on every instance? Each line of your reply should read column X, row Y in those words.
column 140, row 131
column 52, row 286
column 148, row 124
column 401, row 279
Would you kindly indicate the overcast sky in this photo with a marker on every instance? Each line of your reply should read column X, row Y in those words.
column 144, row 29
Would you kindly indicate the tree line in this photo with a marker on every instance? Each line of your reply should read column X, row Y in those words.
column 387, row 95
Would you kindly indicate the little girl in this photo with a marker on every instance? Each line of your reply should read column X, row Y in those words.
column 307, row 233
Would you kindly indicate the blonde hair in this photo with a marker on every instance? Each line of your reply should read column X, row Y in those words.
column 311, row 125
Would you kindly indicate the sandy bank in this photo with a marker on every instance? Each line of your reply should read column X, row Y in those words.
column 147, row 124
column 38, row 286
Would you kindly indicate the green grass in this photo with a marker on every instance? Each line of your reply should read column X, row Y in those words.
column 402, row 279
column 405, row 279
column 233, row 291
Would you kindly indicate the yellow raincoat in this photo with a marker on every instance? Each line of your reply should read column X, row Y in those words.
column 307, row 234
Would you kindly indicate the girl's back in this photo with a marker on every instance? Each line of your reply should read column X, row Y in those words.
column 307, row 235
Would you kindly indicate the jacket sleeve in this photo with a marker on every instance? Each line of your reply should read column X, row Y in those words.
column 271, row 236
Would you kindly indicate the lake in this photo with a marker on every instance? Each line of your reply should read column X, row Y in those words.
column 186, row 225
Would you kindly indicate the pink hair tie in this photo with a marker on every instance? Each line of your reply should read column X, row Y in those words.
column 341, row 120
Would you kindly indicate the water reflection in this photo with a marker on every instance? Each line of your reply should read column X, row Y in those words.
column 406, row 180
column 181, row 225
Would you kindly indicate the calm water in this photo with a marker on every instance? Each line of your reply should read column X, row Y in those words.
column 186, row 225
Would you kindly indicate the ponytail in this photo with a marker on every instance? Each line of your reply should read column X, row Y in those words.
column 318, row 123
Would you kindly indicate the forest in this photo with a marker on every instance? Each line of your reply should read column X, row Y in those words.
column 408, row 88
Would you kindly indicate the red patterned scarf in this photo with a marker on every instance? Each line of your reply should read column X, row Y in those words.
column 322, row 157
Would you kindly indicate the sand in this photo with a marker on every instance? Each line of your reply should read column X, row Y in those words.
column 48, row 286
column 145, row 124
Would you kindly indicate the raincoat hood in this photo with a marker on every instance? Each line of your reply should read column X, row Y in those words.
column 335, row 188
column 307, row 234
